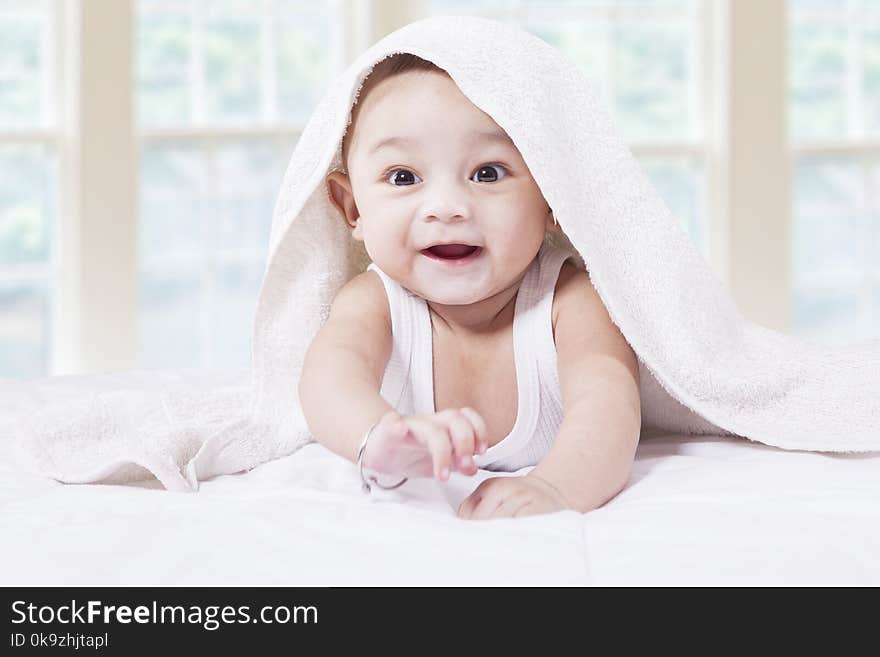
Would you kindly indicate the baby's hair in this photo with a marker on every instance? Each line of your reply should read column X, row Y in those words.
column 402, row 62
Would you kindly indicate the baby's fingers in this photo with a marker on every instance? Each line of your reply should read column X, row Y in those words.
column 461, row 432
column 466, row 508
column 481, row 436
column 436, row 438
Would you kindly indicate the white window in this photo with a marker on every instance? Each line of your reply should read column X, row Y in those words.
column 223, row 91
column 834, row 125
column 29, row 146
column 173, row 191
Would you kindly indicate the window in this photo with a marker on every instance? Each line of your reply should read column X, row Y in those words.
column 223, row 91
column 644, row 58
column 220, row 92
column 834, row 123
column 29, row 155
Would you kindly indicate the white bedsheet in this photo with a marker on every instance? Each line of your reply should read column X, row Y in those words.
column 696, row 511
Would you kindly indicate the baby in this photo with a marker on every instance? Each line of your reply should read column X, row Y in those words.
column 455, row 226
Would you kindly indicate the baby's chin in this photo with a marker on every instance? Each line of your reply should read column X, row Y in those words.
column 450, row 297
column 452, row 300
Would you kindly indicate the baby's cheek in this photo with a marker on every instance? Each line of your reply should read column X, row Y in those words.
column 391, row 257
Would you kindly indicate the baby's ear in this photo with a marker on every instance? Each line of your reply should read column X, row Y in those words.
column 342, row 197
column 550, row 225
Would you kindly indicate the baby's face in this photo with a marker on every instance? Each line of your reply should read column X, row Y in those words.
column 426, row 168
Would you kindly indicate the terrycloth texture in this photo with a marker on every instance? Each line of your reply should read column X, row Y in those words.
column 704, row 368
column 408, row 382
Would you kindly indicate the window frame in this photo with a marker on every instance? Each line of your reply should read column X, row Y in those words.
column 863, row 151
column 94, row 319
column 209, row 137
column 50, row 137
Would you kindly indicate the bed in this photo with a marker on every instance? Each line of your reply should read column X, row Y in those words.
column 698, row 510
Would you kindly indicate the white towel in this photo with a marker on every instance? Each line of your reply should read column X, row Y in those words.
column 704, row 367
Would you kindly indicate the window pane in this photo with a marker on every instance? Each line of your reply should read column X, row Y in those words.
column 164, row 59
column 831, row 316
column 641, row 70
column 234, row 62
column 248, row 176
column 201, row 318
column 516, row 8
column 24, row 329
column 23, row 70
column 27, row 215
column 174, row 187
column 27, row 198
column 464, row 7
column 169, row 318
column 682, row 184
column 834, row 94
column 834, row 246
column 219, row 76
column 650, row 72
column 872, row 244
column 817, row 80
column 206, row 211
column 237, row 287
column 834, row 69
column 28, row 187
column 585, row 42
column 304, row 64
column 197, row 200
column 871, row 56
column 875, row 309
column 232, row 69
column 830, row 220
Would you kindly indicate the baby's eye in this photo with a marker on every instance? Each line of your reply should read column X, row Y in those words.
column 402, row 176
column 491, row 173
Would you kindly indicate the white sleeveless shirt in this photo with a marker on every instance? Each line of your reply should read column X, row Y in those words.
column 408, row 382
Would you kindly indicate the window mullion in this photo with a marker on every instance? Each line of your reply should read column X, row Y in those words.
column 358, row 29
column 99, row 234
column 756, row 169
column 390, row 15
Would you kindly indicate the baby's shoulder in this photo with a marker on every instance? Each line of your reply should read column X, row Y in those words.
column 570, row 278
column 574, row 292
column 364, row 285
column 362, row 294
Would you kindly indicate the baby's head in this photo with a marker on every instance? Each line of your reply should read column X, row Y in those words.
column 423, row 167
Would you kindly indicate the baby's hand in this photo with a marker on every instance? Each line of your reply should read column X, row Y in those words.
column 512, row 497
column 429, row 445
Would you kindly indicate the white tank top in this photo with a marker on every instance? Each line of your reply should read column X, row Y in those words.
column 408, row 382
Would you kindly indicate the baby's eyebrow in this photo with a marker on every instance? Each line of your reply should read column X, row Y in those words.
column 482, row 135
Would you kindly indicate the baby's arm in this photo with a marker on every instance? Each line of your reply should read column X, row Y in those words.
column 599, row 380
column 344, row 365
column 339, row 390
column 591, row 456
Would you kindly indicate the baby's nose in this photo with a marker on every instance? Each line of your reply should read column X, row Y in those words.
column 448, row 208
column 451, row 216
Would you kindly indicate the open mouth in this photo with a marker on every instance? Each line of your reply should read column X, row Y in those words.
column 452, row 251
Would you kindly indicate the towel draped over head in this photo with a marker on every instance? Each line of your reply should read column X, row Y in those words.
column 704, row 367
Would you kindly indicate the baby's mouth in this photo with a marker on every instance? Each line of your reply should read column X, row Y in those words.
column 451, row 251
